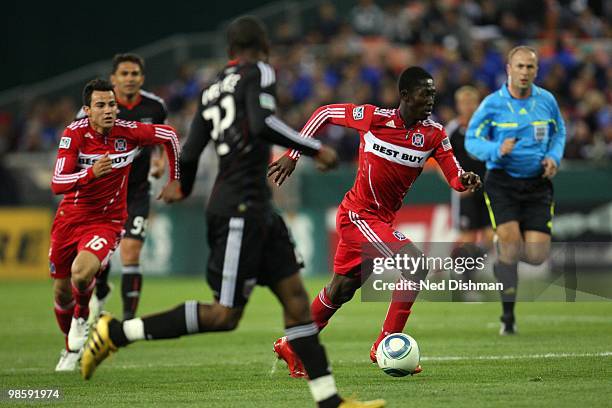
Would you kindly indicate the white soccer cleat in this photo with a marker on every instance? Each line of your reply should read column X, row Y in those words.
column 96, row 306
column 68, row 361
column 78, row 334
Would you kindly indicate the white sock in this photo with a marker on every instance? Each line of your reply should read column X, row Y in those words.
column 323, row 388
column 134, row 329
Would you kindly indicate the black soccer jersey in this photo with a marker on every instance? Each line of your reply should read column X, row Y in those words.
column 236, row 112
column 456, row 133
column 150, row 108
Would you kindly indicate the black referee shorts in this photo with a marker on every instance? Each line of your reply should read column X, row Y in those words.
column 246, row 251
column 526, row 200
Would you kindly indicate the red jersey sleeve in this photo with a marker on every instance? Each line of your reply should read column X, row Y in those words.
column 66, row 178
column 164, row 135
column 447, row 161
column 358, row 117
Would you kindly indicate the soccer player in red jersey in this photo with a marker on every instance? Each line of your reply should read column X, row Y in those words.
column 92, row 168
column 395, row 144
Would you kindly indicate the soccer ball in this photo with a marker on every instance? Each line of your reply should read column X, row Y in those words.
column 398, row 355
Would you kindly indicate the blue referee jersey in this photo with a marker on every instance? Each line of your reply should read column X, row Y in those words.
column 535, row 122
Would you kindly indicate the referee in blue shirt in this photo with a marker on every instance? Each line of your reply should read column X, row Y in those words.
column 519, row 132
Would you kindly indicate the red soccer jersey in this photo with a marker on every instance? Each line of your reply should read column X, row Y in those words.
column 391, row 157
column 87, row 198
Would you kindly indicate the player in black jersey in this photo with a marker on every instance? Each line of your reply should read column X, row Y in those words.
column 134, row 104
column 249, row 241
column 470, row 214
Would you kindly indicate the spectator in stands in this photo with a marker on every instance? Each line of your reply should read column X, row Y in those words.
column 367, row 18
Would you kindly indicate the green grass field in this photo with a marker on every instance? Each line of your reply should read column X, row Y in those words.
column 562, row 356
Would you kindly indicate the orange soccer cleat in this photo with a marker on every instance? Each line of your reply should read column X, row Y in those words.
column 373, row 353
column 283, row 351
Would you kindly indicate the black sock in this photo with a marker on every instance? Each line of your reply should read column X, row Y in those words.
column 173, row 323
column 116, row 333
column 131, row 283
column 508, row 308
column 304, row 340
column 507, row 274
column 102, row 287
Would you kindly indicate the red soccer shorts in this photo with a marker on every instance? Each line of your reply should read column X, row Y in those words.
column 67, row 240
column 363, row 234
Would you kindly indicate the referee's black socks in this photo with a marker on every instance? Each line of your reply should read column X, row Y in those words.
column 507, row 275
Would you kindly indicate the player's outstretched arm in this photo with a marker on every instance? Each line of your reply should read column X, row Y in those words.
column 166, row 136
column 340, row 114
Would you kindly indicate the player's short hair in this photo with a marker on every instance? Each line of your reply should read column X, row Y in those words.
column 128, row 57
column 247, row 33
column 95, row 85
column 520, row 48
column 412, row 77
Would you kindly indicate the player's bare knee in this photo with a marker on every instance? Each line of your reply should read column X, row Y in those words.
column 222, row 318
column 535, row 258
column 83, row 274
column 228, row 322
column 80, row 276
column 536, row 253
column 84, row 268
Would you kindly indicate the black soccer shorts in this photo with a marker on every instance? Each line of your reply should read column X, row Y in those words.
column 245, row 251
column 526, row 200
column 138, row 205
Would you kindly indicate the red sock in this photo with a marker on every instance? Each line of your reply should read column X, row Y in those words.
column 82, row 299
column 397, row 314
column 63, row 314
column 322, row 309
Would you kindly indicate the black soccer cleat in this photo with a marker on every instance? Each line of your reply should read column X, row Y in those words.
column 508, row 327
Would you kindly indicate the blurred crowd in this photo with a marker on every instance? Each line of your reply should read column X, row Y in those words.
column 356, row 57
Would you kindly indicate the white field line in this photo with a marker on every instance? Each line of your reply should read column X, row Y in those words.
column 433, row 358
column 518, row 357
